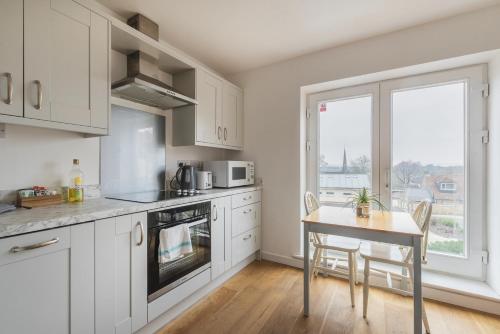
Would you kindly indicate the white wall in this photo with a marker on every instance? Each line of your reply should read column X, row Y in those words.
column 493, row 228
column 33, row 156
column 273, row 111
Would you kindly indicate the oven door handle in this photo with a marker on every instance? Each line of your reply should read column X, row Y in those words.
column 198, row 222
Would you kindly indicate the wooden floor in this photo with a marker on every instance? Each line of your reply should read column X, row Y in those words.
column 267, row 298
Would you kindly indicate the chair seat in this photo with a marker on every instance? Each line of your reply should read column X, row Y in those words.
column 380, row 252
column 340, row 244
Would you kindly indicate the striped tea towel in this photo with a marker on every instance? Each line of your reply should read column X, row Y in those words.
column 174, row 243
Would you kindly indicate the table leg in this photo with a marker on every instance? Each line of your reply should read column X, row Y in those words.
column 417, row 286
column 306, row 270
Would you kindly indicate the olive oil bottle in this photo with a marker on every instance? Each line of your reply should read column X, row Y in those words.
column 75, row 187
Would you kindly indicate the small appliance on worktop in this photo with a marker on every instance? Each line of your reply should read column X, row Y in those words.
column 228, row 174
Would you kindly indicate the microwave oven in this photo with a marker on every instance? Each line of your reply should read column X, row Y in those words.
column 228, row 174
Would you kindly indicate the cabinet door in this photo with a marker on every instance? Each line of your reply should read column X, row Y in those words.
column 66, row 62
column 221, row 236
column 232, row 118
column 11, row 57
column 121, row 274
column 209, row 108
column 50, row 288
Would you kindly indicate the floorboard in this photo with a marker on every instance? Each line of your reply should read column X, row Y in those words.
column 267, row 298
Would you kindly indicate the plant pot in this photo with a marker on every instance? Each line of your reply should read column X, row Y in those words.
column 363, row 210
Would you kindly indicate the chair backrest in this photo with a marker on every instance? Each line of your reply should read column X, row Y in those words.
column 311, row 203
column 422, row 216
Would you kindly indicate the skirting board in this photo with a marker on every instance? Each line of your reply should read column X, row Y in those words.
column 178, row 309
column 458, row 298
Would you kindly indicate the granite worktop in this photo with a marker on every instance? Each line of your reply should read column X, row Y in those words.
column 23, row 220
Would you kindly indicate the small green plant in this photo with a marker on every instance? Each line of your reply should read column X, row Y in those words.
column 448, row 246
column 364, row 198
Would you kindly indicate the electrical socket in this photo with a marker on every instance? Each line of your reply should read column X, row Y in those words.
column 195, row 163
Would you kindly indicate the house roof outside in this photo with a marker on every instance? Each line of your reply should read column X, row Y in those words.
column 432, row 183
column 344, row 181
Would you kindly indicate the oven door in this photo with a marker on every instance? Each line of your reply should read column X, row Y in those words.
column 166, row 276
column 239, row 174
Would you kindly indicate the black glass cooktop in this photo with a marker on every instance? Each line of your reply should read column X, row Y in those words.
column 153, row 196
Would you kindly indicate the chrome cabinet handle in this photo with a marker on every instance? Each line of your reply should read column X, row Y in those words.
column 225, row 133
column 247, row 198
column 10, row 88
column 39, row 95
column 142, row 233
column 247, row 237
column 17, row 249
column 247, row 211
column 215, row 210
column 218, row 132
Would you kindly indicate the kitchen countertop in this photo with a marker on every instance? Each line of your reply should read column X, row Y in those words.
column 23, row 221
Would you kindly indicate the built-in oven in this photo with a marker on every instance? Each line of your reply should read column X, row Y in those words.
column 163, row 277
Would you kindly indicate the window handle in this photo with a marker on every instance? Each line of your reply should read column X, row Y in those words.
column 387, row 176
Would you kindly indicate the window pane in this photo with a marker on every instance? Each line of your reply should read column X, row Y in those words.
column 428, row 160
column 345, row 148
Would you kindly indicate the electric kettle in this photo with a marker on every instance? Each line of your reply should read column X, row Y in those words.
column 186, row 178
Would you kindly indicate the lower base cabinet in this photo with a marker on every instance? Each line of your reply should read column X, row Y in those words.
column 245, row 245
column 221, row 236
column 246, row 217
column 47, row 281
column 121, row 274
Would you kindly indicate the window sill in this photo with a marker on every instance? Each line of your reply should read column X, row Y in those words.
column 441, row 281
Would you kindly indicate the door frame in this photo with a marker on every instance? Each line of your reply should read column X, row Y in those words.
column 313, row 130
column 475, row 78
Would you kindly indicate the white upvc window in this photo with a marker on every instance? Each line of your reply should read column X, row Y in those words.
column 409, row 139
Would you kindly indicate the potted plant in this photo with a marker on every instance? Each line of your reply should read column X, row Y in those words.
column 362, row 200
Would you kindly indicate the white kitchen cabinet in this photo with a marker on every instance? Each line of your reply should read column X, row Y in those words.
column 221, row 235
column 47, row 281
column 209, row 108
column 217, row 119
column 245, row 245
column 245, row 218
column 232, row 115
column 121, row 274
column 11, row 64
column 245, row 225
column 66, row 49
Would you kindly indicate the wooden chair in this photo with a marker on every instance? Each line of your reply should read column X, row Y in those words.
column 399, row 256
column 322, row 244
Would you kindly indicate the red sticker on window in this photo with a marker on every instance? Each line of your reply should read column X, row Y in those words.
column 322, row 107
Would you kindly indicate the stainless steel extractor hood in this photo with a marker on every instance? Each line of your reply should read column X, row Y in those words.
column 142, row 88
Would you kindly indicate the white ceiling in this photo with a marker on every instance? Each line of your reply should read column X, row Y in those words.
column 236, row 35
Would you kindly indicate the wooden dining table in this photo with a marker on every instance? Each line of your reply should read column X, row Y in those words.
column 383, row 226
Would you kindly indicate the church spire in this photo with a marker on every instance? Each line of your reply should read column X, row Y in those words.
column 344, row 163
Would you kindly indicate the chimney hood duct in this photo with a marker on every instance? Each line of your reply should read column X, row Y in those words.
column 145, row 89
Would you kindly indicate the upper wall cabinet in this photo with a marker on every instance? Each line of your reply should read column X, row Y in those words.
column 66, row 65
column 11, row 55
column 217, row 120
column 209, row 111
column 232, row 115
